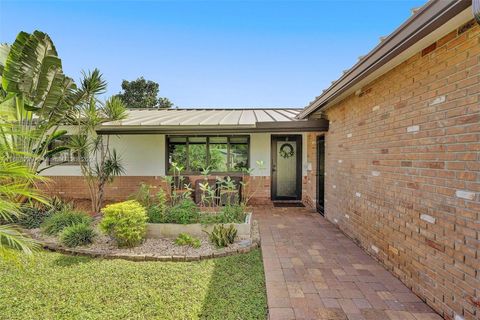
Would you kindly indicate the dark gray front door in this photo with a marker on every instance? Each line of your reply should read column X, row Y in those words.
column 286, row 167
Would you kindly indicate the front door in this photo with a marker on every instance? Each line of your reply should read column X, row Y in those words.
column 321, row 174
column 286, row 167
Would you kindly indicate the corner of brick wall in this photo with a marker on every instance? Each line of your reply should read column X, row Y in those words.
column 403, row 164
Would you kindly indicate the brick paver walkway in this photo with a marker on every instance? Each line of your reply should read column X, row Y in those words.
column 313, row 271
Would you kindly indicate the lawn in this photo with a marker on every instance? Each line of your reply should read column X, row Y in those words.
column 56, row 286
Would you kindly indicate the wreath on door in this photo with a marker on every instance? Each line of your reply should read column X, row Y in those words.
column 286, row 151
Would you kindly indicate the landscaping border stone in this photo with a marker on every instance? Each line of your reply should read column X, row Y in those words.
column 52, row 246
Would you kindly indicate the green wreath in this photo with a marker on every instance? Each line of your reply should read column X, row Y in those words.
column 286, row 151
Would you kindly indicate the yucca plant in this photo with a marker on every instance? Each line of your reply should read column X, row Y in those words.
column 98, row 162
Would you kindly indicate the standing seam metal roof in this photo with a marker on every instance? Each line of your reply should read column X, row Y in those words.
column 205, row 117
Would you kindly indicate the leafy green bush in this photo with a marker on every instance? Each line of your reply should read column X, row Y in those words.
column 77, row 235
column 60, row 220
column 183, row 213
column 156, row 212
column 58, row 204
column 143, row 195
column 222, row 236
column 32, row 217
column 184, row 239
column 125, row 222
column 228, row 214
column 34, row 213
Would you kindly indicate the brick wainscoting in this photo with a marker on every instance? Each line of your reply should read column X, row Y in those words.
column 75, row 188
column 403, row 172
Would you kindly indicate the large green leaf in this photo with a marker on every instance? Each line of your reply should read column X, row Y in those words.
column 34, row 70
column 4, row 50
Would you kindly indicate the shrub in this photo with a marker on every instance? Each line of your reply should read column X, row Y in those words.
column 143, row 196
column 58, row 204
column 228, row 214
column 222, row 236
column 183, row 213
column 32, row 217
column 185, row 239
column 60, row 220
column 34, row 213
column 125, row 222
column 156, row 213
column 77, row 235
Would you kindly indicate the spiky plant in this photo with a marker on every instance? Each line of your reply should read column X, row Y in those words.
column 98, row 162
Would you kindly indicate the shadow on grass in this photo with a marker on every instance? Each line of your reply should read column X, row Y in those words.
column 236, row 289
column 67, row 261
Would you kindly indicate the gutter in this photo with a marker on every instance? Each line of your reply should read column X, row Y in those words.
column 274, row 126
column 428, row 18
column 476, row 10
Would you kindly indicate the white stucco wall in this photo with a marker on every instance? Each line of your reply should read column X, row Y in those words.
column 144, row 155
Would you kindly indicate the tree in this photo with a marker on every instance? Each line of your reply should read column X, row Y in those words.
column 16, row 182
column 35, row 98
column 142, row 93
column 99, row 164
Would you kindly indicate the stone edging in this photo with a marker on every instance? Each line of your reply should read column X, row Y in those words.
column 146, row 257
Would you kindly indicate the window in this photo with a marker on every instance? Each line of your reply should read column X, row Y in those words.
column 219, row 153
column 66, row 156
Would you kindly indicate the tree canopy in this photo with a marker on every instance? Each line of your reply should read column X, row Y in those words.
column 141, row 93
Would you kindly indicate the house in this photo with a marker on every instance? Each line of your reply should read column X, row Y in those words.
column 224, row 140
column 390, row 153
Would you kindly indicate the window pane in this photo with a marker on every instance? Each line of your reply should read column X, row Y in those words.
column 218, row 139
column 197, row 140
column 177, row 139
column 177, row 153
column 239, row 156
column 65, row 156
column 218, row 156
column 197, row 156
column 235, row 139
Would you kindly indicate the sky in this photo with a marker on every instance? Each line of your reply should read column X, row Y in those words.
column 212, row 53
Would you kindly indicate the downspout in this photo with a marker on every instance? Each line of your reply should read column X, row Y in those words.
column 476, row 10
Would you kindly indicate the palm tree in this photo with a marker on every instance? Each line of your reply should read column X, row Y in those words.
column 15, row 182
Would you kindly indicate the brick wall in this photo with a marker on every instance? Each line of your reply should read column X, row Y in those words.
column 75, row 188
column 403, row 172
column 310, row 181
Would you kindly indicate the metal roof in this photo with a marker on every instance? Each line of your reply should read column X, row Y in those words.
column 211, row 121
column 204, row 117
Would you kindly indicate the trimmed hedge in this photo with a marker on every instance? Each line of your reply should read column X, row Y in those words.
column 126, row 222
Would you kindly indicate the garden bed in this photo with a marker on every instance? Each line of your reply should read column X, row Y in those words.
column 172, row 230
column 153, row 249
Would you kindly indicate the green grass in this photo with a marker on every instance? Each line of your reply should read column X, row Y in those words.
column 56, row 286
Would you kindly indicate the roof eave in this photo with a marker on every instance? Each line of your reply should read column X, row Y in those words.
column 274, row 126
column 432, row 15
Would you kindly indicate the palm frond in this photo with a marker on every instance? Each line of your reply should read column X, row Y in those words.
column 114, row 109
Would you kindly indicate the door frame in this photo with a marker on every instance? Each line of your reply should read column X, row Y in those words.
column 320, row 174
column 273, row 160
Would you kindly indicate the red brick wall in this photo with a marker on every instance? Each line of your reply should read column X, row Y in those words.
column 75, row 188
column 310, row 181
column 403, row 172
